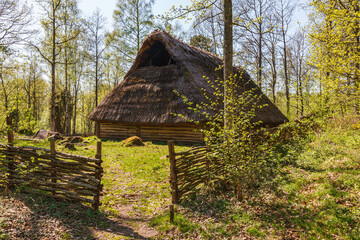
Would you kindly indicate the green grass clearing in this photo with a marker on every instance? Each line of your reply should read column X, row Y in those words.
column 316, row 196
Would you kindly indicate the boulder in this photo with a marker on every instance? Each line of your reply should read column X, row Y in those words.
column 43, row 134
column 56, row 136
column 133, row 141
column 70, row 146
column 76, row 139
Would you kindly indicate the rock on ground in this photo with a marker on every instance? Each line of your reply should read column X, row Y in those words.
column 133, row 141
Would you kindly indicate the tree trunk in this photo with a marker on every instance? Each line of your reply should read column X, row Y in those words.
column 357, row 63
column 228, row 60
column 67, row 89
column 138, row 25
column 213, row 32
column 35, row 115
column 274, row 72
column 28, row 92
column 286, row 76
column 53, row 66
column 259, row 70
column 75, row 109
column 6, row 100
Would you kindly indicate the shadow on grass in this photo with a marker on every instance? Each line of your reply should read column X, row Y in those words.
column 76, row 220
column 158, row 143
column 180, row 144
column 327, row 210
column 296, row 216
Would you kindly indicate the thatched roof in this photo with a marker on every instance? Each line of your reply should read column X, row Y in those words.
column 165, row 64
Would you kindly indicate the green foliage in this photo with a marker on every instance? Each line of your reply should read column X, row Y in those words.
column 314, row 196
column 202, row 42
column 22, row 93
column 247, row 150
column 335, row 39
column 4, row 236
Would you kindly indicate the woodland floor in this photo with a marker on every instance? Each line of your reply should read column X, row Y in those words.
column 136, row 188
column 315, row 196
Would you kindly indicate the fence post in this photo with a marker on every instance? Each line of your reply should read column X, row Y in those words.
column 98, row 175
column 10, row 131
column 10, row 161
column 53, row 153
column 207, row 164
column 173, row 179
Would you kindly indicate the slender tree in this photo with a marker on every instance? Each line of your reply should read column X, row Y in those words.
column 52, row 46
column 70, row 30
column 50, row 25
column 254, row 19
column 300, row 68
column 228, row 59
column 97, row 36
column 272, row 58
column 133, row 22
column 284, row 12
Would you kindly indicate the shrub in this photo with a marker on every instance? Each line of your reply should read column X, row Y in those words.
column 247, row 149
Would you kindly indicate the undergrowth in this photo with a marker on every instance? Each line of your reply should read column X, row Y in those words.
column 314, row 196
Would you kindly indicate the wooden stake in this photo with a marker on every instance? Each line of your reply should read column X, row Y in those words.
column 207, row 165
column 52, row 146
column 98, row 175
column 53, row 153
column 98, row 150
column 172, row 214
column 10, row 130
column 10, row 162
column 173, row 179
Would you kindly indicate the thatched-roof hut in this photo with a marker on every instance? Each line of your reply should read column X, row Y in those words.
column 144, row 103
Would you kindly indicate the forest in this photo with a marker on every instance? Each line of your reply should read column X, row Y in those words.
column 53, row 74
column 299, row 180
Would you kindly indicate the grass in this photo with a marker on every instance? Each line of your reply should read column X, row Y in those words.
column 315, row 196
column 136, row 188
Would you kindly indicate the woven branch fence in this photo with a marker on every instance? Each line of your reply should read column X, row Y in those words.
column 189, row 170
column 61, row 175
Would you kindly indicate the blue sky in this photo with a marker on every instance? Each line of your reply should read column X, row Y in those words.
column 107, row 6
column 160, row 6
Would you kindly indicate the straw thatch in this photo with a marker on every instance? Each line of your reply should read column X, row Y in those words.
column 146, row 95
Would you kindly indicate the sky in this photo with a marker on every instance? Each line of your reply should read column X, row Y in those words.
column 107, row 6
column 160, row 6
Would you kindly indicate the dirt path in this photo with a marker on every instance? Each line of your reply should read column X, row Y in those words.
column 126, row 225
column 24, row 217
column 127, row 221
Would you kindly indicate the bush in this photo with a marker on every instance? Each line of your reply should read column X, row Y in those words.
column 247, row 149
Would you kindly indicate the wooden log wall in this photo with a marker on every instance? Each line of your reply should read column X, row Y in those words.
column 60, row 175
column 185, row 134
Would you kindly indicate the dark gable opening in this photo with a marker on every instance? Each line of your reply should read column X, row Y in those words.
column 156, row 56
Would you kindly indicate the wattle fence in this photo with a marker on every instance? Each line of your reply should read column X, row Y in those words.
column 60, row 175
column 189, row 170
